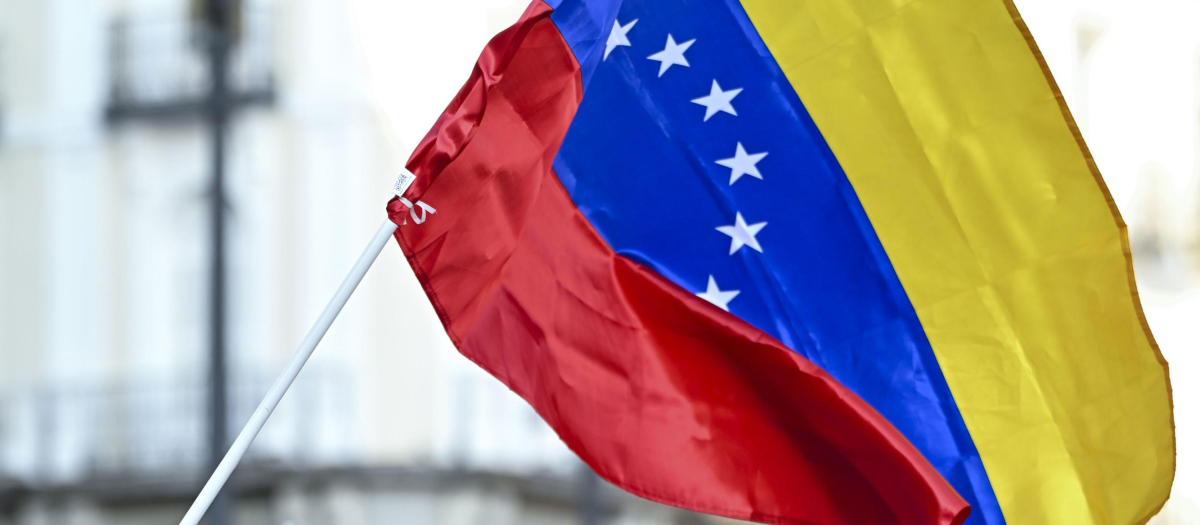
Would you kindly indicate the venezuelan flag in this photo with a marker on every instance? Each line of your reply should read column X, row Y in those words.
column 839, row 261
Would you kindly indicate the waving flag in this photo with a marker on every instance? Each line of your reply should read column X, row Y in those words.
column 842, row 262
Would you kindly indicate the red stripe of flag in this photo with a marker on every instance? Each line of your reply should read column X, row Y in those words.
column 661, row 393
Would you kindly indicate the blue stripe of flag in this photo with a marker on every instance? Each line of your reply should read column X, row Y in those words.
column 642, row 163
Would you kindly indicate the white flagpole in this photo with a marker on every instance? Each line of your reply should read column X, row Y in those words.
column 268, row 404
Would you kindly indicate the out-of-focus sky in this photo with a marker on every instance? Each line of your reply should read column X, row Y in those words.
column 403, row 84
column 1129, row 70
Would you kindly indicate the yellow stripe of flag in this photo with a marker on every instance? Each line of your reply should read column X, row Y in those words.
column 955, row 138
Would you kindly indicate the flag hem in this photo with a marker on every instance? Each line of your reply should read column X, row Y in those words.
column 1126, row 249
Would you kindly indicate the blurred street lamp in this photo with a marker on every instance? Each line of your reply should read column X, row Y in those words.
column 218, row 28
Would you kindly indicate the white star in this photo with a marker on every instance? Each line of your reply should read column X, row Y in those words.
column 742, row 234
column 715, row 296
column 717, row 100
column 617, row 37
column 672, row 55
column 742, row 164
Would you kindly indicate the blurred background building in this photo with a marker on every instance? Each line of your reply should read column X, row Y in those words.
column 106, row 239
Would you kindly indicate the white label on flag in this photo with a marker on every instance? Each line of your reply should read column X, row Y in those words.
column 405, row 180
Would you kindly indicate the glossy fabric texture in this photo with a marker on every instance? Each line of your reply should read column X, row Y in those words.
column 661, row 393
column 640, row 162
column 996, row 219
